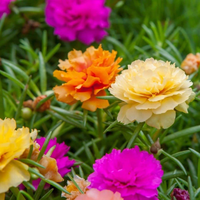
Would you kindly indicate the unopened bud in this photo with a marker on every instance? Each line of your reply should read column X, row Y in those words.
column 26, row 113
column 44, row 106
column 180, row 194
column 155, row 147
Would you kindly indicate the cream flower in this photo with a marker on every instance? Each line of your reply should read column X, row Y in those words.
column 151, row 91
column 12, row 145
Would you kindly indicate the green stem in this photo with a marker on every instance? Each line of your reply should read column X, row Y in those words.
column 99, row 123
column 135, row 134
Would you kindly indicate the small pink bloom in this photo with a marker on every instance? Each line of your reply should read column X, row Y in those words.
column 59, row 154
column 94, row 194
column 84, row 20
column 4, row 7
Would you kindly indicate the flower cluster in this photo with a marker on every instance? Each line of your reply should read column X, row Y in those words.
column 84, row 20
column 56, row 165
column 133, row 173
column 152, row 91
column 13, row 143
column 191, row 63
column 4, row 7
column 86, row 76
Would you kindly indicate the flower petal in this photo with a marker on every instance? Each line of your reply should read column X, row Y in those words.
column 12, row 175
column 164, row 120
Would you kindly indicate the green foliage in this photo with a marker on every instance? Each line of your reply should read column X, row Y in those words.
column 165, row 30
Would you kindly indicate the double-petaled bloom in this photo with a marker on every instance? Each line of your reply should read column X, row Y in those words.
column 135, row 174
column 84, row 20
column 152, row 91
column 86, row 76
column 4, row 7
column 13, row 143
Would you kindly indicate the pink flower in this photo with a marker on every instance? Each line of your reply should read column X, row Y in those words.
column 4, row 7
column 94, row 194
column 133, row 173
column 84, row 20
column 63, row 162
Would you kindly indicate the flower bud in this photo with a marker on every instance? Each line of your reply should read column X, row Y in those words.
column 180, row 194
column 44, row 106
column 155, row 147
column 26, row 113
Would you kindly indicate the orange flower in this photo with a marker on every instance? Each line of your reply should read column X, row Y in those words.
column 86, row 76
column 191, row 63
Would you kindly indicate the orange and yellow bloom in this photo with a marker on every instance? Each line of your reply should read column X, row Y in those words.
column 12, row 145
column 86, row 76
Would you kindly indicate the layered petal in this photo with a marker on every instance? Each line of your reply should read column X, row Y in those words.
column 152, row 90
column 86, row 76
column 12, row 175
column 133, row 173
column 78, row 19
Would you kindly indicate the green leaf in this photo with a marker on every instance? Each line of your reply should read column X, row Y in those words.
column 31, row 162
column 52, row 52
column 70, row 114
column 88, row 153
column 88, row 144
column 135, row 134
column 110, row 126
column 190, row 189
column 43, row 76
column 22, row 74
column 66, row 119
column 22, row 98
column 45, row 197
column 44, row 43
column 120, row 45
column 170, row 175
column 107, row 97
column 182, row 133
column 77, row 186
column 174, row 159
column 181, row 153
column 16, row 81
column 49, row 134
column 25, row 194
column 39, row 190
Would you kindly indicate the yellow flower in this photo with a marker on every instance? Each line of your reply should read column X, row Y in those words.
column 151, row 91
column 12, row 145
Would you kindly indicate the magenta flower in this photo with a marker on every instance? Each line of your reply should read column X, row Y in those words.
column 133, row 173
column 4, row 7
column 63, row 162
column 84, row 20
